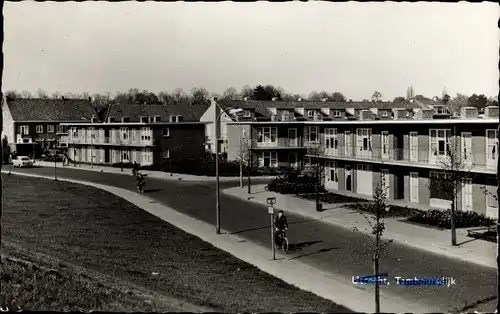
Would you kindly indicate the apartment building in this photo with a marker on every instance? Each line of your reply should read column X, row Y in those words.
column 359, row 143
column 33, row 126
column 149, row 134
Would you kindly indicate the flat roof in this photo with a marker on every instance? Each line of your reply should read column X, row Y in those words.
column 397, row 121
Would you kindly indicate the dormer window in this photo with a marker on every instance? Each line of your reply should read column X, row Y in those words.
column 310, row 113
column 337, row 113
column 407, row 113
column 93, row 119
column 157, row 119
column 385, row 113
column 125, row 119
column 173, row 118
column 144, row 119
column 180, row 118
column 111, row 119
column 247, row 114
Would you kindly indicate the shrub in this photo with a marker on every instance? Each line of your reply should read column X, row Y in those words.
column 126, row 165
column 293, row 183
column 53, row 159
column 441, row 219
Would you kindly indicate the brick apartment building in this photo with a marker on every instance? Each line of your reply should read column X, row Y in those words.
column 33, row 126
column 149, row 134
column 407, row 143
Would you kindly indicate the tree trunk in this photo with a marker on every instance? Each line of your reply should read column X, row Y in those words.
column 377, row 285
column 317, row 188
column 452, row 222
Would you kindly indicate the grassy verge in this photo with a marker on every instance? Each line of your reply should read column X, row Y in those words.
column 95, row 230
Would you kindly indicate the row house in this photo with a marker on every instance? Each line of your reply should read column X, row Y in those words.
column 151, row 134
column 407, row 145
column 33, row 126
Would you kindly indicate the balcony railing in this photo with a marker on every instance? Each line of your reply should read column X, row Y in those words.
column 281, row 142
column 111, row 141
column 473, row 161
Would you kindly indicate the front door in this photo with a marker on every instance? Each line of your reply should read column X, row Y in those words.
column 466, row 147
column 413, row 146
column 491, row 148
column 414, row 187
column 106, row 155
column 467, row 195
column 348, row 178
column 348, row 143
column 292, row 137
column 364, row 180
column 331, row 175
column 292, row 160
column 385, row 145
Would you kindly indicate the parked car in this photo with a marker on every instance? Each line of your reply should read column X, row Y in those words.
column 22, row 161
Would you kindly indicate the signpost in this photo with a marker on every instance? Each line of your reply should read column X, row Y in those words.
column 270, row 209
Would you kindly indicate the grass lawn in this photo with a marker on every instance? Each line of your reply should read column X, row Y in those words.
column 98, row 233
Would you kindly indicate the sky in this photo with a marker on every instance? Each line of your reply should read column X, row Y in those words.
column 352, row 48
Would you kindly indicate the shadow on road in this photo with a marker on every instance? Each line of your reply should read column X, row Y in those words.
column 317, row 252
column 267, row 227
column 152, row 190
column 296, row 247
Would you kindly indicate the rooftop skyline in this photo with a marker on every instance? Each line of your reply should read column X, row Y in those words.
column 352, row 48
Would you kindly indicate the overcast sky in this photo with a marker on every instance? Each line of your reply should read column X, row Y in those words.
column 353, row 48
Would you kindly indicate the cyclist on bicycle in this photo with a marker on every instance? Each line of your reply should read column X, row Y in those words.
column 140, row 181
column 281, row 224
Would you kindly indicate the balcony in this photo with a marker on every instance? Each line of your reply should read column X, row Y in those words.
column 281, row 142
column 475, row 162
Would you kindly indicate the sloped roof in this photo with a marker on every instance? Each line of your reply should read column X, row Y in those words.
column 33, row 109
column 189, row 112
column 252, row 104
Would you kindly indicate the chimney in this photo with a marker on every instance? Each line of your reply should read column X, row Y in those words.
column 62, row 97
column 90, row 99
column 491, row 112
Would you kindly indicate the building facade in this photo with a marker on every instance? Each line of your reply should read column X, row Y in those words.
column 33, row 126
column 407, row 146
column 146, row 134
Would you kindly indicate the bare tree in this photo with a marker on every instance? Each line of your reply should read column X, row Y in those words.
column 247, row 91
column 56, row 95
column 377, row 96
column 12, row 94
column 317, row 170
column 459, row 101
column 378, row 209
column 230, row 93
column 26, row 94
column 179, row 95
column 199, row 95
column 247, row 159
column 455, row 170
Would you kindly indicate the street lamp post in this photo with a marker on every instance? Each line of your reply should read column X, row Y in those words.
column 217, row 116
column 241, row 158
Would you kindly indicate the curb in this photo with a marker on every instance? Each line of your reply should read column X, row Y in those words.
column 403, row 240
column 295, row 273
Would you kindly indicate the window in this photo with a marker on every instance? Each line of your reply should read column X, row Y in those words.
column 407, row 113
column 24, row 130
column 332, row 175
column 385, row 142
column 125, row 155
column 439, row 181
column 491, row 200
column 124, row 132
column 144, row 119
column 331, row 140
column 313, row 134
column 310, row 113
column 166, row 132
column 157, row 119
column 244, row 133
column 166, row 154
column 125, row 119
column 111, row 119
column 286, row 115
column 146, row 134
column 384, row 113
column 39, row 128
column 337, row 113
column 75, row 132
column 173, row 118
column 269, row 159
column 92, row 133
column 491, row 144
column 247, row 114
column 439, row 142
column 364, row 139
column 267, row 134
column 180, row 118
column 50, row 129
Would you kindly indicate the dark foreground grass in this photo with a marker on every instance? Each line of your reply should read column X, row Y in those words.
column 100, row 232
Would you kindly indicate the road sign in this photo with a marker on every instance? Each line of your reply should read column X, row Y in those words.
column 270, row 210
column 271, row 201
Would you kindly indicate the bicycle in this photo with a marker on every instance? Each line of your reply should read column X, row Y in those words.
column 281, row 241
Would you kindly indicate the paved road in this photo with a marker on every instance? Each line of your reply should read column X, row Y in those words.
column 325, row 246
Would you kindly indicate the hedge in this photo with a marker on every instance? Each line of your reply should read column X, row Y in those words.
column 441, row 219
column 293, row 183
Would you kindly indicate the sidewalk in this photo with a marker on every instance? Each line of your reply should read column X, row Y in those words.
column 293, row 272
column 149, row 173
column 429, row 239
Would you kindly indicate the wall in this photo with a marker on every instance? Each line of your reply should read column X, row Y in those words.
column 222, row 126
column 184, row 141
column 234, row 133
column 8, row 123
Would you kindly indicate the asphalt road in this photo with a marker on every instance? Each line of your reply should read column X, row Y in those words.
column 334, row 249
